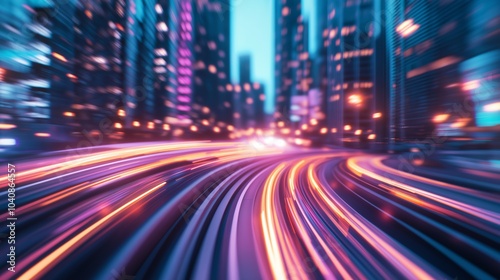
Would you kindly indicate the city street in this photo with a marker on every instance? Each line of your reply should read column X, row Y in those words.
column 258, row 209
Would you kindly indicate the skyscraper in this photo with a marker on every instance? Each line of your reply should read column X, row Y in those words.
column 245, row 67
column 287, row 19
column 355, row 70
column 426, row 43
column 147, row 33
column 160, row 68
column 213, row 106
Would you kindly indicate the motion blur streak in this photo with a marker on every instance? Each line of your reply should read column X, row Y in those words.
column 249, row 211
column 52, row 259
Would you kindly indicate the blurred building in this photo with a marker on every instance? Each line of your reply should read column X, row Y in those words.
column 480, row 74
column 161, row 55
column 180, row 89
column 287, row 20
column 212, row 104
column 149, row 29
column 356, row 61
column 249, row 101
column 438, row 61
column 245, row 67
column 36, row 62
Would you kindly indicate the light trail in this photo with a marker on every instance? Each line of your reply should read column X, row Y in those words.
column 237, row 210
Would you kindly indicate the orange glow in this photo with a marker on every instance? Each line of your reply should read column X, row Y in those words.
column 440, row 63
column 151, row 125
column 314, row 121
column 407, row 27
column 118, row 125
column 212, row 69
column 347, row 127
column 372, row 136
column 59, row 56
column 471, row 85
column 193, row 128
column 357, row 132
column 205, row 122
column 166, row 127
column 377, row 115
column 88, row 14
column 230, row 128
column 121, row 113
column 304, row 126
column 216, row 129
column 7, row 126
column 355, row 99
column 71, row 76
column 324, row 130
column 136, row 124
column 69, row 114
column 285, row 131
column 460, row 123
column 334, row 130
column 42, row 134
column 440, row 118
column 281, row 124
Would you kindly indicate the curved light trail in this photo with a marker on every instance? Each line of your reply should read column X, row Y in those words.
column 233, row 210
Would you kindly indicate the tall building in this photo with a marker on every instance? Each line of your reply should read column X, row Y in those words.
column 480, row 74
column 427, row 43
column 301, row 67
column 212, row 104
column 356, row 72
column 287, row 20
column 147, row 34
column 104, row 68
column 23, row 54
column 245, row 67
column 36, row 69
column 180, row 63
column 160, row 68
